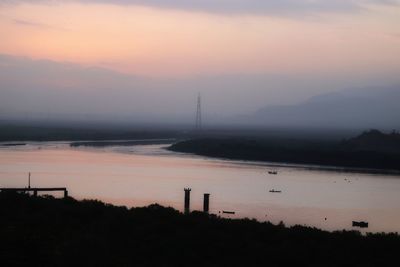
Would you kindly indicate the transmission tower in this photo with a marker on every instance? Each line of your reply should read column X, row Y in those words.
column 198, row 114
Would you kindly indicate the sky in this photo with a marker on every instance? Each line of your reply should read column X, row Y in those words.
column 241, row 55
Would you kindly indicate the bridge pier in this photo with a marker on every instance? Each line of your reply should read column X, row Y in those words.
column 206, row 203
column 187, row 200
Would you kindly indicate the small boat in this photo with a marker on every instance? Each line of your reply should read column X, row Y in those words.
column 275, row 191
column 360, row 224
column 272, row 172
column 228, row 212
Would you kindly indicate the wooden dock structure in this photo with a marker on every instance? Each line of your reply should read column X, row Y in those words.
column 35, row 190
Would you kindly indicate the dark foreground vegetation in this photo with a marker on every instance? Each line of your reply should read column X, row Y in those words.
column 372, row 149
column 44, row 231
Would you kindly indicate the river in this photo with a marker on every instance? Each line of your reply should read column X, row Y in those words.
column 145, row 174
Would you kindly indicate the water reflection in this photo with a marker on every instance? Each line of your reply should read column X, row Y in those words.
column 141, row 175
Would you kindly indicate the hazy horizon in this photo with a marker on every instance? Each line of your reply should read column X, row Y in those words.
column 146, row 61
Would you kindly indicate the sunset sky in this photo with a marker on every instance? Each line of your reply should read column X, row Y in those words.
column 207, row 37
column 350, row 42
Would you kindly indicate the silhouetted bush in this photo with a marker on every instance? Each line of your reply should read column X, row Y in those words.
column 45, row 231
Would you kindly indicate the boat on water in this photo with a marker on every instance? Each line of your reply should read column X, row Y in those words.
column 275, row 191
column 272, row 172
column 228, row 212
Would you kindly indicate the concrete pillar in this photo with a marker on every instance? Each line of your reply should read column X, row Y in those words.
column 206, row 203
column 187, row 200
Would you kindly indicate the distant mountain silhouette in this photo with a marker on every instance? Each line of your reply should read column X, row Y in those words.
column 356, row 108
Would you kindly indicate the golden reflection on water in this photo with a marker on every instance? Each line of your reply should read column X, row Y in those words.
column 145, row 177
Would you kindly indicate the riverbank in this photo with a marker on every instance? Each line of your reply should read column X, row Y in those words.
column 122, row 143
column 44, row 231
column 368, row 151
column 24, row 133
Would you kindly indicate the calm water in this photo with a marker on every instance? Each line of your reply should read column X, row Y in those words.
column 141, row 175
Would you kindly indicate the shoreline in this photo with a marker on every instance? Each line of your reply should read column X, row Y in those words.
column 170, row 141
column 108, row 143
column 237, row 151
column 311, row 167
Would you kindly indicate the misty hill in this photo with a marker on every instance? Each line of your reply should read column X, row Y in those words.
column 356, row 108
